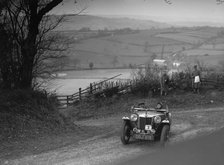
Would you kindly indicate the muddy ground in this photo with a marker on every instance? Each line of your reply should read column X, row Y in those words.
column 97, row 141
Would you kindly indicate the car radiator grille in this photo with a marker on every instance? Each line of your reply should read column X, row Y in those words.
column 144, row 121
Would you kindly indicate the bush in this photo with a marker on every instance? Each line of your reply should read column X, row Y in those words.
column 145, row 81
column 148, row 80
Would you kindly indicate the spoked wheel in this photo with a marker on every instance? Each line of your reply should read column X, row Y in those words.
column 164, row 137
column 125, row 133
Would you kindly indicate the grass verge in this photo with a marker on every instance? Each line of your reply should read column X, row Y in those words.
column 28, row 114
column 178, row 100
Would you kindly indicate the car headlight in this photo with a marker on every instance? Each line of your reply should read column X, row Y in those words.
column 157, row 119
column 134, row 117
column 159, row 106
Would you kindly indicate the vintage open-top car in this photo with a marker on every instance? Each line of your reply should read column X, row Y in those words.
column 147, row 123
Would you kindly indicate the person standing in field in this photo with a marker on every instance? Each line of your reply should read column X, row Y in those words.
column 165, row 84
column 196, row 79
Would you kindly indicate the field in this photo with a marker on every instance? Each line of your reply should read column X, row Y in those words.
column 123, row 50
column 135, row 47
column 139, row 47
column 69, row 82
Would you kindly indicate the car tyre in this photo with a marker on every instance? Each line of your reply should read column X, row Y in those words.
column 164, row 135
column 125, row 133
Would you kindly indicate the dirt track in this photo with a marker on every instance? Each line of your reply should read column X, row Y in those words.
column 105, row 147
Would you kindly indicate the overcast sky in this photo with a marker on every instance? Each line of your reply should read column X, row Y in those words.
column 179, row 10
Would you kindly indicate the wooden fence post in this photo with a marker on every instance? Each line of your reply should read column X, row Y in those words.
column 80, row 93
column 91, row 88
column 67, row 101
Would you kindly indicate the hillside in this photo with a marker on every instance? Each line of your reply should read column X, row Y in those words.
column 124, row 49
column 76, row 22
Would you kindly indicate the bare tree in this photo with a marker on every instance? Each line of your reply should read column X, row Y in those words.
column 5, row 48
column 29, row 29
column 219, row 1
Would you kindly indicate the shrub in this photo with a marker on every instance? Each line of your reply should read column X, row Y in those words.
column 145, row 81
column 149, row 80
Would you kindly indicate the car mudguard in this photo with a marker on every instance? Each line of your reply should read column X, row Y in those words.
column 166, row 122
column 125, row 118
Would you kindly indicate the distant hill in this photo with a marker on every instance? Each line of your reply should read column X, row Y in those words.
column 76, row 22
column 201, row 24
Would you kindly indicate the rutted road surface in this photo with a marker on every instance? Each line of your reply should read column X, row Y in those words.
column 106, row 147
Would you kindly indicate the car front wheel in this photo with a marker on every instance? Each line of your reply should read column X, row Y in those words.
column 164, row 134
column 125, row 133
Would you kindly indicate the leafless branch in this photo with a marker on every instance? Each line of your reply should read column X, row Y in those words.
column 219, row 1
column 168, row 1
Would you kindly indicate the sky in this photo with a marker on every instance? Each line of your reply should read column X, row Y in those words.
column 179, row 10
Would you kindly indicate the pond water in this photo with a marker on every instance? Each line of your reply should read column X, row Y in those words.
column 69, row 82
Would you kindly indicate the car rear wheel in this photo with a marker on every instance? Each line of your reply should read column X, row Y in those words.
column 164, row 134
column 125, row 133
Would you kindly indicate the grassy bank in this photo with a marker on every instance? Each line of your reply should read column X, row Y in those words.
column 31, row 123
column 176, row 101
column 28, row 114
